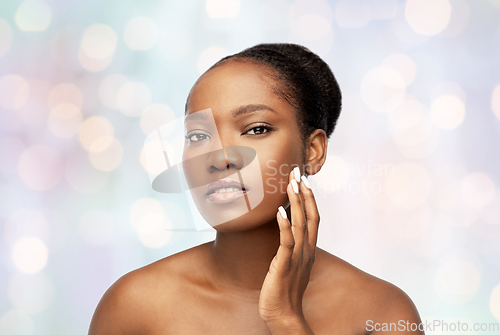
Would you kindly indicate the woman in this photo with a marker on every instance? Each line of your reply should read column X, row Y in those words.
column 263, row 274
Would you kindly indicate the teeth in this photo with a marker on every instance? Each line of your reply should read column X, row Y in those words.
column 227, row 189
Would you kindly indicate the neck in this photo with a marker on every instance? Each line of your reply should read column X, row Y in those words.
column 242, row 259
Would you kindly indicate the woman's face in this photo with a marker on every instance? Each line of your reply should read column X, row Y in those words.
column 241, row 143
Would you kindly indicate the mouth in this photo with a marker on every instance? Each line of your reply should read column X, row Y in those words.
column 225, row 190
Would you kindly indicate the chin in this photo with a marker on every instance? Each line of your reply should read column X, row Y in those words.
column 236, row 217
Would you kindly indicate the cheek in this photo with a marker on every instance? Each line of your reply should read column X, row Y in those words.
column 276, row 165
column 191, row 168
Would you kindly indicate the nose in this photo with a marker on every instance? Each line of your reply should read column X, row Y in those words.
column 228, row 158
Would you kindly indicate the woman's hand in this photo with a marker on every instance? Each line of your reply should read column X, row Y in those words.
column 280, row 303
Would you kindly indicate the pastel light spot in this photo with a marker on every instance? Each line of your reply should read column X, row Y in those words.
column 314, row 31
column 97, row 47
column 109, row 88
column 142, row 207
column 65, row 93
column 409, row 186
column 93, row 64
column 457, row 280
column 99, row 41
column 460, row 14
column 5, row 37
column 155, row 116
column 222, row 8
column 26, row 222
column 428, row 17
column 33, row 15
column 132, row 98
column 383, row 89
column 154, row 230
column 141, row 33
column 65, row 120
column 477, row 189
column 409, row 123
column 403, row 64
column 94, row 128
column 30, row 254
column 495, row 301
column 106, row 153
column 447, row 112
column 209, row 56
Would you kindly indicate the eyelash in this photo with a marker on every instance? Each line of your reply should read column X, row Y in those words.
column 263, row 126
column 188, row 136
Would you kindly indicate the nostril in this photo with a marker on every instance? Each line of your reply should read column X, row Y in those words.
column 216, row 160
column 232, row 159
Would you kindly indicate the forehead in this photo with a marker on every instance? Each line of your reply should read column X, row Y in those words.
column 233, row 84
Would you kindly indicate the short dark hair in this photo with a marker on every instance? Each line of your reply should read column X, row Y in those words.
column 303, row 79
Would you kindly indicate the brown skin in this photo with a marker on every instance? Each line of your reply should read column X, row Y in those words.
column 263, row 274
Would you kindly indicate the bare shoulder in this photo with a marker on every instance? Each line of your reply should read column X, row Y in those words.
column 130, row 304
column 369, row 300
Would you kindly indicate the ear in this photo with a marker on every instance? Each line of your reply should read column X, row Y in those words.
column 317, row 145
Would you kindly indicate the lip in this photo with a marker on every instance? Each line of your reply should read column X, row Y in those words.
column 227, row 196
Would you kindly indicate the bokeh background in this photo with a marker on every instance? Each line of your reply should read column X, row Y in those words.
column 409, row 193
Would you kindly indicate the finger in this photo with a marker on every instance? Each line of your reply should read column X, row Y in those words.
column 297, row 175
column 287, row 242
column 311, row 210
column 299, row 224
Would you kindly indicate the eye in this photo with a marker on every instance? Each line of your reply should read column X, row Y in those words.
column 196, row 137
column 259, row 130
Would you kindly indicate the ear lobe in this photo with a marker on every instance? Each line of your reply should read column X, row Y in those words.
column 316, row 151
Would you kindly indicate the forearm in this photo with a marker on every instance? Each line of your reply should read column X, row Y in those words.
column 291, row 326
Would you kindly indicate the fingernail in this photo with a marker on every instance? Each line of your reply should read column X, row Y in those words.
column 296, row 173
column 295, row 186
column 282, row 212
column 306, row 182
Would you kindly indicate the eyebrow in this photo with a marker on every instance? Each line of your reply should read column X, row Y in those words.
column 195, row 116
column 242, row 110
column 248, row 109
